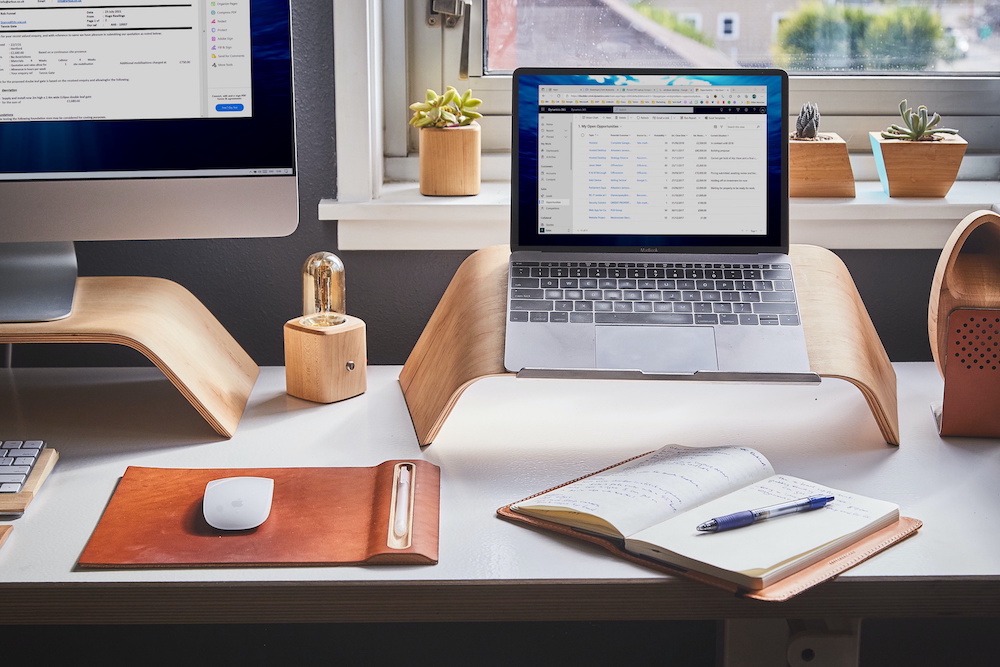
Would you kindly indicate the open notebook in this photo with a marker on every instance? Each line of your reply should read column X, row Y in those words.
column 648, row 509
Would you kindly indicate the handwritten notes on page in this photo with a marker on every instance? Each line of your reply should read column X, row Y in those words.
column 765, row 546
column 650, row 506
column 654, row 487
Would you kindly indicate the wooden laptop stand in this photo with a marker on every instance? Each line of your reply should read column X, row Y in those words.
column 167, row 324
column 464, row 338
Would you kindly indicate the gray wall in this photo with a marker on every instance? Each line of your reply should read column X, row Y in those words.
column 252, row 285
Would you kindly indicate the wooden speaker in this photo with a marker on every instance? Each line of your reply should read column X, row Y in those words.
column 971, row 403
column 963, row 322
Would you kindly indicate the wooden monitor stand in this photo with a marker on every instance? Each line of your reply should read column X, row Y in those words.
column 464, row 338
column 168, row 325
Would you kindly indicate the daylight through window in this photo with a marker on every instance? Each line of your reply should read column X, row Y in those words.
column 801, row 36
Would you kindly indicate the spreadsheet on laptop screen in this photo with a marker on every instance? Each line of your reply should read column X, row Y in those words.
column 652, row 159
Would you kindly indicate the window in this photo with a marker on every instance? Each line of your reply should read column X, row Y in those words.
column 961, row 83
column 953, row 72
column 693, row 19
column 777, row 20
column 729, row 27
column 385, row 51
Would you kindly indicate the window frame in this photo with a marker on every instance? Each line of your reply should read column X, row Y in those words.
column 379, row 147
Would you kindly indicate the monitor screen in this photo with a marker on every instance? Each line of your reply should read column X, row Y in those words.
column 664, row 159
column 145, row 120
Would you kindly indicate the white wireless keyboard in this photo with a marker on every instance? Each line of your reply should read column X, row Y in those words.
column 17, row 458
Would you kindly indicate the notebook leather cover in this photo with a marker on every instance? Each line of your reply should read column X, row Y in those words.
column 780, row 591
column 319, row 516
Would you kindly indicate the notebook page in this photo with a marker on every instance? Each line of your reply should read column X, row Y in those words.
column 658, row 485
column 765, row 545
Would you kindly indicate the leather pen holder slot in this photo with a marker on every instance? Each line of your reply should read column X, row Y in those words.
column 325, row 364
column 401, row 508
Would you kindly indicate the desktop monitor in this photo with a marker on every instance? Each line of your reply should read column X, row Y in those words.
column 136, row 120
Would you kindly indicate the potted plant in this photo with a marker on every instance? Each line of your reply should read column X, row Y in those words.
column 449, row 142
column 818, row 164
column 917, row 158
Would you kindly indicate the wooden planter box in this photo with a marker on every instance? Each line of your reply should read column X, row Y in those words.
column 449, row 160
column 917, row 168
column 819, row 168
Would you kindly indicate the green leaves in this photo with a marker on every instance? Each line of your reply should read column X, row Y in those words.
column 446, row 110
column 920, row 125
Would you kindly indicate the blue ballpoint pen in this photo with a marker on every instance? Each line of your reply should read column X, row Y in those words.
column 747, row 517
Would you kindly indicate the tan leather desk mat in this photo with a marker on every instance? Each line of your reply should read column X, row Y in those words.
column 319, row 516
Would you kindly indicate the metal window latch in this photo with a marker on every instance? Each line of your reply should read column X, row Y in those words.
column 451, row 12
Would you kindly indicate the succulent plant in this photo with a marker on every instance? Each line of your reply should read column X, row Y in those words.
column 807, row 124
column 920, row 125
column 449, row 109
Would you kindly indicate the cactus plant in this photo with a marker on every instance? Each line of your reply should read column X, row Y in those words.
column 449, row 109
column 807, row 124
column 920, row 125
column 818, row 164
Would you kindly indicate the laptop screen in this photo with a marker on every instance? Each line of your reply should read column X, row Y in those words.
column 650, row 160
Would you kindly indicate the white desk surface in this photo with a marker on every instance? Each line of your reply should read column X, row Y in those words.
column 506, row 439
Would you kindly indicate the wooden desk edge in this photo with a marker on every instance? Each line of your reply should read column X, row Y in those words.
column 323, row 601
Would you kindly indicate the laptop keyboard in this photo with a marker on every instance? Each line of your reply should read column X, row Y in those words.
column 653, row 293
column 17, row 458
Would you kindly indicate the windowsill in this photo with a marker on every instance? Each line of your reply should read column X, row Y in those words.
column 403, row 219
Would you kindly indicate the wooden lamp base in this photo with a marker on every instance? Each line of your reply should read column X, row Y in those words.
column 326, row 364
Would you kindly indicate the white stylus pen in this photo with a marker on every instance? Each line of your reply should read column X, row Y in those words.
column 400, row 527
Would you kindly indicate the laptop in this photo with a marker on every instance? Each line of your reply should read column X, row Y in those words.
column 649, row 230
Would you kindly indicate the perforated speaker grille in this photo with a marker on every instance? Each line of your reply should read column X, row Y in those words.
column 971, row 380
column 975, row 341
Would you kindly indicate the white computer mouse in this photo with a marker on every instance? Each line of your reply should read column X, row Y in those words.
column 238, row 503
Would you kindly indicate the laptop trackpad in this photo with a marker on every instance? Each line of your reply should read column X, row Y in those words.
column 657, row 349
